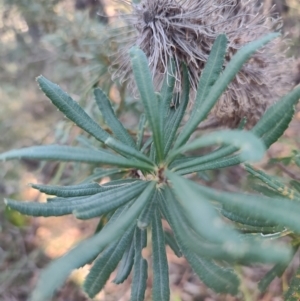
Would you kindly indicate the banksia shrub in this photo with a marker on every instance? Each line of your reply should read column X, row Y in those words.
column 186, row 30
column 210, row 228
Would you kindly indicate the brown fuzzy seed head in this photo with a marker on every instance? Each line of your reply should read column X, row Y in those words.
column 185, row 30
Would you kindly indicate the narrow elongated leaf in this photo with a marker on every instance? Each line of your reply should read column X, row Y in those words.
column 266, row 190
column 111, row 119
column 126, row 264
column 120, row 183
column 282, row 110
column 69, row 153
column 273, row 183
column 106, row 263
column 69, row 191
column 293, row 293
column 225, row 280
column 276, row 271
column 140, row 133
column 252, row 148
column 188, row 162
column 204, row 218
column 246, row 219
column 277, row 131
column 62, row 206
column 85, row 142
column 102, row 222
column 174, row 122
column 139, row 281
column 147, row 144
column 221, row 280
column 57, row 272
column 247, row 250
column 171, row 242
column 183, row 232
column 76, row 114
column 208, row 78
column 114, row 185
column 281, row 212
column 144, row 82
column 264, row 230
column 103, row 205
column 71, row 109
column 40, row 209
column 207, row 223
column 295, row 185
column 217, row 164
column 214, row 92
column 161, row 287
column 127, row 150
column 100, row 173
column 145, row 218
column 167, row 91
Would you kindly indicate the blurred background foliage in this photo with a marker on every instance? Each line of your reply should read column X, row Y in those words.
column 70, row 42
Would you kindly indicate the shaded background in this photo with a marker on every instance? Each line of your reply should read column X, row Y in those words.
column 68, row 42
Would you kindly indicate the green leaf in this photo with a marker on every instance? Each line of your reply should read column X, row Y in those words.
column 202, row 216
column 144, row 219
column 106, row 263
column 281, row 188
column 116, row 198
column 171, row 242
column 276, row 119
column 221, row 280
column 140, row 133
column 183, row 232
column 227, row 281
column 277, row 131
column 246, row 252
column 76, row 114
column 69, row 191
column 252, row 148
column 110, row 118
column 246, row 219
column 208, row 78
column 57, row 272
column 62, row 206
column 69, row 153
column 102, row 222
column 147, row 143
column 42, row 209
column 217, row 164
column 126, row 264
column 175, row 119
column 279, row 211
column 127, row 151
column 265, row 190
column 276, row 271
column 139, row 281
column 166, row 91
column 188, row 162
column 262, row 230
column 144, row 83
column 99, row 173
column 222, row 83
column 293, row 293
column 71, row 109
column 295, row 185
column 161, row 287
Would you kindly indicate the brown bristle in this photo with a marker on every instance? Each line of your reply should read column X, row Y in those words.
column 185, row 30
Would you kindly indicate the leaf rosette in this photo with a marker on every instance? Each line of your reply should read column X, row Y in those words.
column 209, row 227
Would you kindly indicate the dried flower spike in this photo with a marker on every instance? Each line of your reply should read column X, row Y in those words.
column 185, row 30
